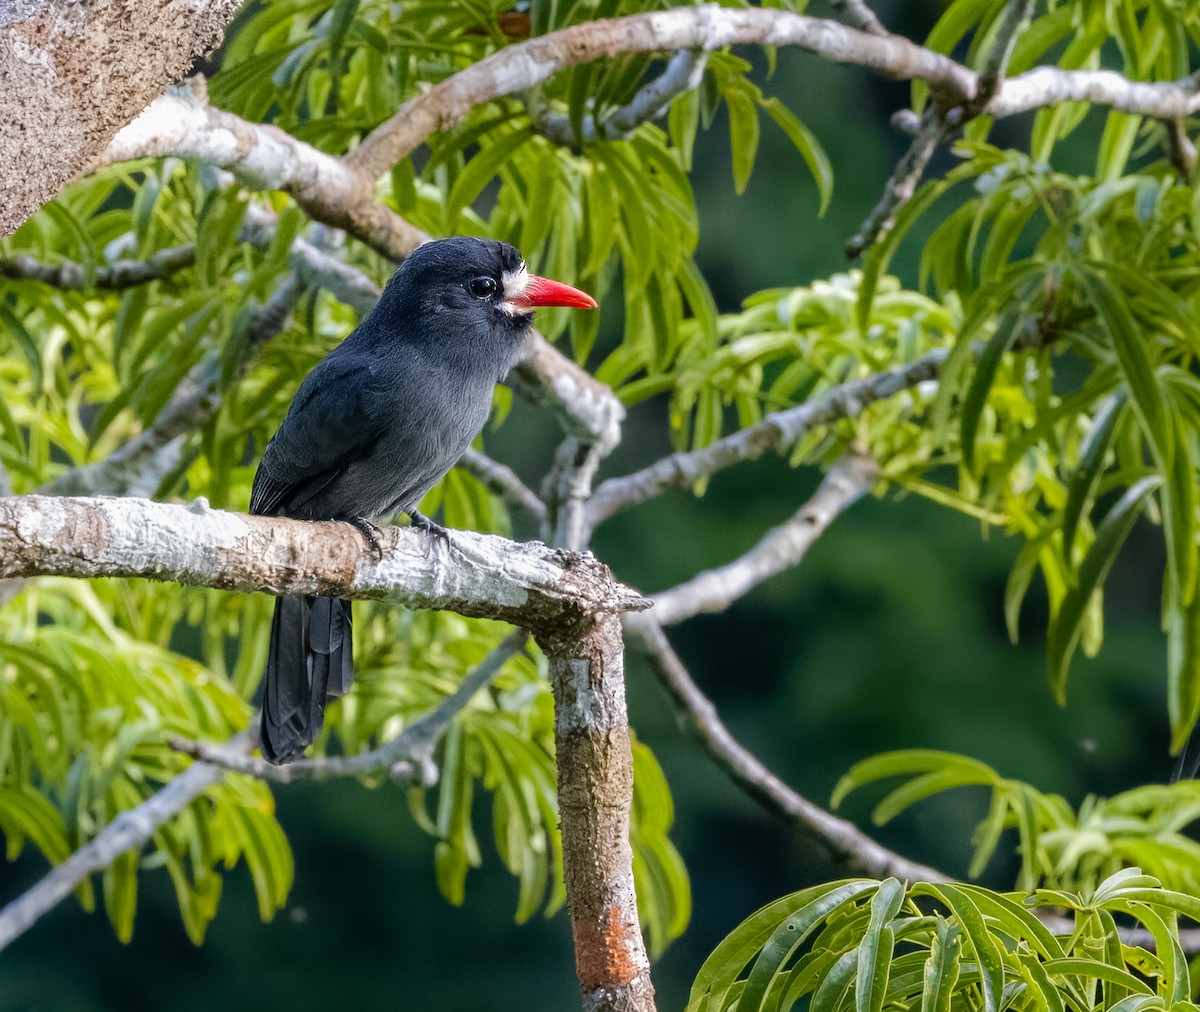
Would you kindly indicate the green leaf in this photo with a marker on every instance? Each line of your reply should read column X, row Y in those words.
column 987, row 952
column 1066, row 626
column 876, row 949
column 1134, row 360
column 743, row 132
column 986, row 365
column 1081, row 485
column 942, row 967
column 807, row 144
column 480, row 170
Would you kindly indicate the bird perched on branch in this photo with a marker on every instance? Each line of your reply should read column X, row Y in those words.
column 373, row 427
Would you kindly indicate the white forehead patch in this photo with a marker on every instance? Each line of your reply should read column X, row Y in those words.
column 515, row 283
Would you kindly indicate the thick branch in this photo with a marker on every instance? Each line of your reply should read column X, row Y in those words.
column 777, row 431
column 263, row 157
column 780, row 548
column 72, row 73
column 130, row 829
column 843, row 839
column 520, row 67
column 473, row 574
column 407, row 758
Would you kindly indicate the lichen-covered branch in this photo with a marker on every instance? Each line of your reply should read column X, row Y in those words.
column 780, row 548
column 707, row 27
column 473, row 574
column 72, row 74
column 328, row 188
column 776, row 432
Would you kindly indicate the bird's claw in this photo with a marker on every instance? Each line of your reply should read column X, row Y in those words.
column 371, row 534
column 420, row 522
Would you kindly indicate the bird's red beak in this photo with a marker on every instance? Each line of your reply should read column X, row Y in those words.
column 544, row 292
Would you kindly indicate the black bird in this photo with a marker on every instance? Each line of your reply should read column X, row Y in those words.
column 373, row 427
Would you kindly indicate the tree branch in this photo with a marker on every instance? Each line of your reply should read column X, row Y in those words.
column 842, row 839
column 129, row 829
column 263, row 157
column 777, row 432
column 780, row 548
column 473, row 574
column 71, row 276
column 407, row 758
column 71, row 74
column 708, row 27
column 902, row 183
column 595, row 793
column 859, row 15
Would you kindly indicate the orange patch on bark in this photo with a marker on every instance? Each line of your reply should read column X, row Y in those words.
column 602, row 950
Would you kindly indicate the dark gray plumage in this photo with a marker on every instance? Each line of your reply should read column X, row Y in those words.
column 373, row 427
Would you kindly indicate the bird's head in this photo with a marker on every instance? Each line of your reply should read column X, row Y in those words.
column 466, row 288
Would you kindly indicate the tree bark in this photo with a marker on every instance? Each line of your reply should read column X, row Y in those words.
column 595, row 793
column 73, row 72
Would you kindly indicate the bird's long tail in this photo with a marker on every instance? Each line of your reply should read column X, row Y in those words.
column 308, row 664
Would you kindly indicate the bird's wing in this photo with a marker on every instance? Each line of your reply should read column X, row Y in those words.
column 328, row 427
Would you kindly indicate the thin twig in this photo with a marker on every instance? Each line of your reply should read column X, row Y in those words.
column 130, row 829
column 407, row 758
column 502, row 481
column 777, row 431
column 859, row 15
column 683, row 73
column 902, row 184
column 780, row 548
column 842, row 839
column 71, row 276
column 1016, row 13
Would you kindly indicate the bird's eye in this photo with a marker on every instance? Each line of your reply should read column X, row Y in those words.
column 482, row 288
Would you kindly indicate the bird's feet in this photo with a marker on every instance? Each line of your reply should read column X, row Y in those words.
column 420, row 522
column 371, row 534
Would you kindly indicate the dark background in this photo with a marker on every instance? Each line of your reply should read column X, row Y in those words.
column 890, row 635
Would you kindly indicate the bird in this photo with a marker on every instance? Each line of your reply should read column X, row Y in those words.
column 376, row 424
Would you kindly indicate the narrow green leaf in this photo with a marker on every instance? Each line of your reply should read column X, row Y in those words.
column 1081, row 485
column 1130, row 347
column 876, row 949
column 480, row 171
column 789, row 935
column 975, row 930
column 942, row 967
column 743, row 133
column 806, row 143
column 986, row 366
column 1066, row 626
